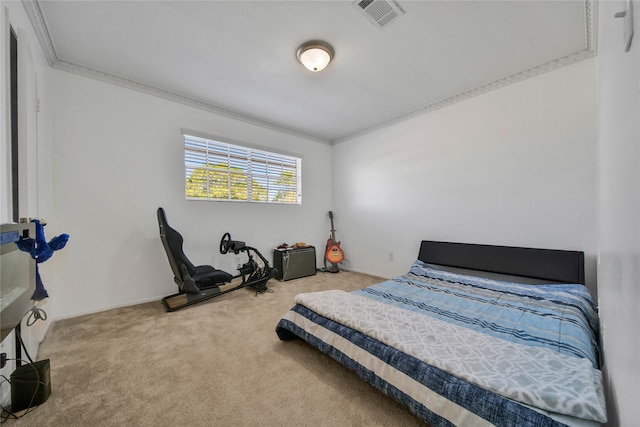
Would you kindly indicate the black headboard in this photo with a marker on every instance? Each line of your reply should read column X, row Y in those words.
column 546, row 264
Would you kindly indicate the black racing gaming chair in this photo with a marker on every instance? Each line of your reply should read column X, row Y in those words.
column 190, row 279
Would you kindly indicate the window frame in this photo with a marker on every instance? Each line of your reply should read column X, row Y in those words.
column 262, row 175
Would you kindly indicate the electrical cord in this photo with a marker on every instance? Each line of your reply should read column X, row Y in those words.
column 10, row 415
column 35, row 314
column 6, row 414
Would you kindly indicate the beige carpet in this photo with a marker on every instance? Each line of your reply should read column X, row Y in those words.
column 218, row 363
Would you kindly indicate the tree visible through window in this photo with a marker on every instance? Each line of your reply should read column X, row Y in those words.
column 216, row 170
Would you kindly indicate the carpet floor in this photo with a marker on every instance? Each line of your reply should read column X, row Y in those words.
column 218, row 363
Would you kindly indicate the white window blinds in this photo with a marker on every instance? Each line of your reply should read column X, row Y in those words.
column 216, row 170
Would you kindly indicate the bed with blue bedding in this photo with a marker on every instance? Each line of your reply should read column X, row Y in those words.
column 463, row 349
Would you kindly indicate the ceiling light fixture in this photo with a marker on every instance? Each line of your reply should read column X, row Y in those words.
column 315, row 55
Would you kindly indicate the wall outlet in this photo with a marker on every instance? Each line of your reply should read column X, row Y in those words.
column 391, row 256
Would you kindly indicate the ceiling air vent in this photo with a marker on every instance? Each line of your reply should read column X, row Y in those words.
column 380, row 12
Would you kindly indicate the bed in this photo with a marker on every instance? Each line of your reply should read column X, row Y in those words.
column 471, row 335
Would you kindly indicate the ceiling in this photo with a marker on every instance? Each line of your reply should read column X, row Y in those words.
column 238, row 58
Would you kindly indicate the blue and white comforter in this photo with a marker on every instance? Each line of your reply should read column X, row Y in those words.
column 536, row 345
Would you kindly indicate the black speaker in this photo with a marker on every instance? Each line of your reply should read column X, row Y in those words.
column 30, row 385
column 295, row 263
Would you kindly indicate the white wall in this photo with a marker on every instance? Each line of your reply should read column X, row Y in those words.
column 515, row 166
column 117, row 156
column 33, row 127
column 619, row 213
column 34, row 130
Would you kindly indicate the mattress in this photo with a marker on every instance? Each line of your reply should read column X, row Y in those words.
column 464, row 350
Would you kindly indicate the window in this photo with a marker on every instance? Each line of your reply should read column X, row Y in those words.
column 216, row 170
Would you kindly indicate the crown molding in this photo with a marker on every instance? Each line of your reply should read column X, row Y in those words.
column 39, row 25
column 38, row 22
column 36, row 17
column 590, row 51
column 92, row 73
column 497, row 84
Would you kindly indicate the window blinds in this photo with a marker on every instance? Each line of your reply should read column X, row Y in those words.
column 216, row 170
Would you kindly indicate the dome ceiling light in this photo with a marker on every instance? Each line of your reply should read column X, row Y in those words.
column 315, row 55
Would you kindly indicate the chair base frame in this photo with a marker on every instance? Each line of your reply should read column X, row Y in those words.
column 250, row 274
column 183, row 299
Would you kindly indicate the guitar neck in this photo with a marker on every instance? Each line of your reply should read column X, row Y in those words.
column 333, row 232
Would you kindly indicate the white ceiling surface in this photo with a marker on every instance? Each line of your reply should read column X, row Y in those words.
column 238, row 57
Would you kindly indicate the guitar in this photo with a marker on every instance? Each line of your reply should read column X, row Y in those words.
column 333, row 253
